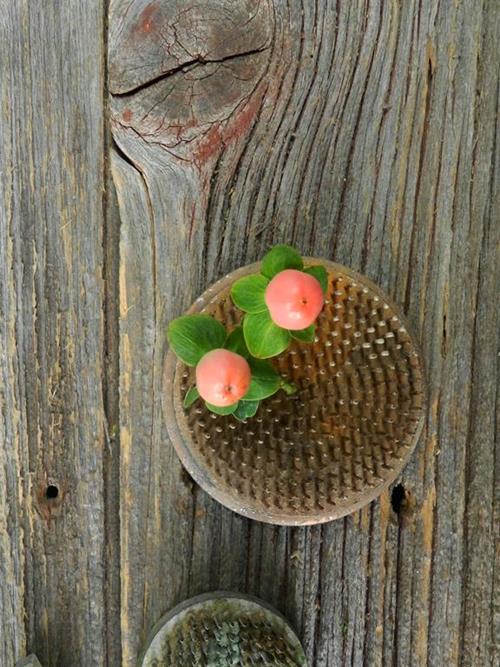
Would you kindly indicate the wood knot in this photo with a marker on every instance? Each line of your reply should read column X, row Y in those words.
column 185, row 78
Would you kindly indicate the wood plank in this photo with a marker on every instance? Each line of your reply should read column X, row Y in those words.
column 365, row 132
column 52, row 549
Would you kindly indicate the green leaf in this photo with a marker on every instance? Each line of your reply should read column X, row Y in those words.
column 278, row 259
column 236, row 342
column 192, row 336
column 305, row 335
column 191, row 396
column 264, row 338
column 226, row 410
column 321, row 275
column 246, row 409
column 248, row 293
column 265, row 381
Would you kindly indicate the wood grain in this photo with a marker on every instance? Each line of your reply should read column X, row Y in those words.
column 52, row 549
column 365, row 132
column 369, row 136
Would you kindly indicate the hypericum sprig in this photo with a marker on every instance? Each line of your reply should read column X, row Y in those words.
column 281, row 302
column 228, row 378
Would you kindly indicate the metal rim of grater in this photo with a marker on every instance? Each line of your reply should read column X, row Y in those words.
column 236, row 603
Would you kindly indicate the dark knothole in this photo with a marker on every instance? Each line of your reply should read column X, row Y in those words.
column 51, row 492
column 398, row 497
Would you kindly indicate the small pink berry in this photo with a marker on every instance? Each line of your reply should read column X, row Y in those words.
column 222, row 377
column 294, row 299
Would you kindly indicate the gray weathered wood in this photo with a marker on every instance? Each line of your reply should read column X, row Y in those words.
column 52, row 550
column 365, row 132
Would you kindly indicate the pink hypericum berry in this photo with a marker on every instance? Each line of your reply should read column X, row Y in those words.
column 294, row 299
column 222, row 377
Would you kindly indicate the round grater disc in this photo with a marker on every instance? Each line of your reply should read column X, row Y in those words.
column 223, row 630
column 334, row 445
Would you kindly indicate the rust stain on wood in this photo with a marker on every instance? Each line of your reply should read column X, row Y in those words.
column 220, row 135
column 209, row 145
column 149, row 16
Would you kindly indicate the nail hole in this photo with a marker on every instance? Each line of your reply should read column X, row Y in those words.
column 51, row 492
column 398, row 497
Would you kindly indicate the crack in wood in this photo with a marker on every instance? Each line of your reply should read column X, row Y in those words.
column 186, row 67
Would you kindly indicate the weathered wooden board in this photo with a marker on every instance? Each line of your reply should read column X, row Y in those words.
column 365, row 132
column 52, row 435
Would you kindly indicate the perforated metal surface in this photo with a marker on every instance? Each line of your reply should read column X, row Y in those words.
column 333, row 446
column 223, row 630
